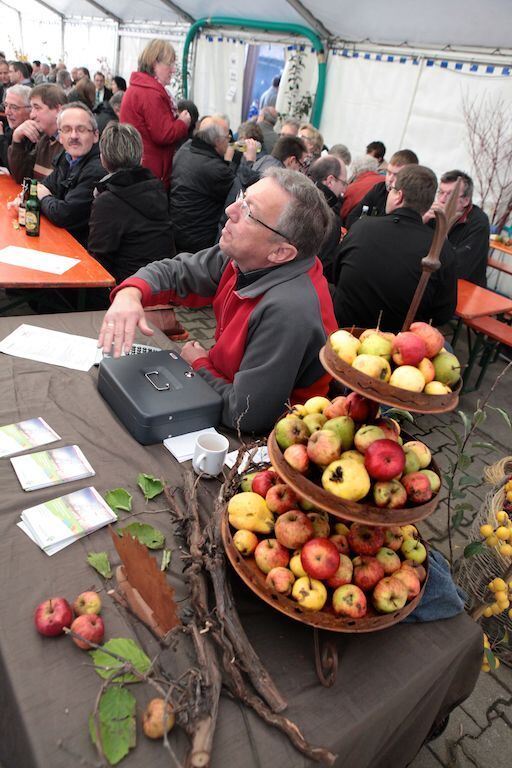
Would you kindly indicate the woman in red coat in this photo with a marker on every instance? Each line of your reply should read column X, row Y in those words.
column 148, row 106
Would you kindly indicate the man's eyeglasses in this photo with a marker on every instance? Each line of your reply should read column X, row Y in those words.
column 343, row 181
column 81, row 129
column 14, row 108
column 246, row 213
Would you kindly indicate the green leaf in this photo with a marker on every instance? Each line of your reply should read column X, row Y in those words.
column 150, row 486
column 458, row 494
column 100, row 562
column 166, row 560
column 490, row 658
column 456, row 436
column 448, row 480
column 465, row 505
column 464, row 461
column 146, row 534
column 478, row 417
column 107, row 666
column 486, row 446
column 458, row 518
column 116, row 714
column 502, row 413
column 469, row 480
column 119, row 498
column 474, row 548
column 399, row 413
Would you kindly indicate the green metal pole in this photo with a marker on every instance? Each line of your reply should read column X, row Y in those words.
column 266, row 26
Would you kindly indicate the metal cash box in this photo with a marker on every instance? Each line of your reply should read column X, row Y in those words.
column 158, row 395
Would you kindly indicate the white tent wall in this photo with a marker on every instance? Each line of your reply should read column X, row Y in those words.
column 217, row 86
column 93, row 45
column 33, row 31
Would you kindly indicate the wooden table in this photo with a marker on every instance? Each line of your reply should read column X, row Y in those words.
column 474, row 301
column 500, row 264
column 88, row 273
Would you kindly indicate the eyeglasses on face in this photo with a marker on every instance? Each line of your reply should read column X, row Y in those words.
column 343, row 181
column 246, row 213
column 14, row 108
column 81, row 129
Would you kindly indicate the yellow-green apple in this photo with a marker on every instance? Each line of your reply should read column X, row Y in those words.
column 344, row 427
column 297, row 457
column 347, row 479
column 366, row 435
column 354, row 455
column 408, row 349
column 384, row 459
column 298, row 410
column 320, row 558
column 367, row 572
column 295, row 565
column 324, row 447
column 418, row 487
column 348, row 600
column 52, row 616
column 409, row 531
column 447, row 368
column 374, row 366
column 433, row 339
column 264, row 480
column 158, row 718
column 320, row 523
column 314, row 421
column 426, row 366
column 370, row 331
column 413, row 549
column 410, row 581
column 310, row 593
column 306, row 505
column 247, row 479
column 293, row 529
column 249, row 510
column 437, row 388
column 434, row 480
column 343, row 573
column 270, row 554
column 412, row 462
column 316, row 404
column 87, row 602
column 345, row 345
column 389, row 595
column 389, row 560
column 421, row 450
column 393, row 537
column 407, row 377
column 390, row 427
column 245, row 542
column 365, row 539
column 336, row 408
column 342, row 528
column 418, row 569
column 390, row 494
column 291, row 430
column 280, row 580
column 376, row 344
column 340, row 541
column 280, row 498
column 90, row 627
column 360, row 408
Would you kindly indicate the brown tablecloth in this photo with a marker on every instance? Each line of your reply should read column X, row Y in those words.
column 391, row 685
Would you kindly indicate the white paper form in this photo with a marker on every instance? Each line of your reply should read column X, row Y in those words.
column 54, row 347
column 39, row 260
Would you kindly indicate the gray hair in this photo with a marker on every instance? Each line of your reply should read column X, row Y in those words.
column 23, row 91
column 291, row 121
column 120, row 146
column 213, row 131
column 116, row 99
column 83, row 107
column 269, row 115
column 307, row 216
column 329, row 165
column 341, row 151
column 364, row 163
column 63, row 78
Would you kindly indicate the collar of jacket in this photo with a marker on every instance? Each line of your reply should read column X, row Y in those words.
column 81, row 161
column 402, row 213
column 202, row 148
column 332, row 199
column 274, row 276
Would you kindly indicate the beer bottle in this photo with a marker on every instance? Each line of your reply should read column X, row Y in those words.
column 32, row 211
column 25, row 189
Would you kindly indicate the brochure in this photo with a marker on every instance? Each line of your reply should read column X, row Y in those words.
column 45, row 468
column 24, row 435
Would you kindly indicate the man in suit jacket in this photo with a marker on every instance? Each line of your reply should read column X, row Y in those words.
column 102, row 92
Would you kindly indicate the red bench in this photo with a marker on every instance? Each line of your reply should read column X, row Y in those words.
column 489, row 334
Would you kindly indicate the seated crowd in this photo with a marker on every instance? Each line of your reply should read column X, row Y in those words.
column 285, row 238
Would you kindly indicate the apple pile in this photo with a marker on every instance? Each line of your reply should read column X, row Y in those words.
column 354, row 455
column 420, row 362
column 54, row 615
column 338, row 566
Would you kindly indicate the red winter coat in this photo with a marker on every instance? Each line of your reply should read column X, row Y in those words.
column 357, row 189
column 148, row 107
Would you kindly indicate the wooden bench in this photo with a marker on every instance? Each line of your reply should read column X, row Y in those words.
column 489, row 332
column 499, row 265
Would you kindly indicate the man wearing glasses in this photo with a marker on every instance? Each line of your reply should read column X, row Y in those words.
column 67, row 193
column 17, row 110
column 270, row 299
column 329, row 173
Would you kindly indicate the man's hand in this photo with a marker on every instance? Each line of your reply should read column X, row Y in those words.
column 192, row 351
column 121, row 321
column 42, row 191
column 27, row 129
column 185, row 116
column 251, row 151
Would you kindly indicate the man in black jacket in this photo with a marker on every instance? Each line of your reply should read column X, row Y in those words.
column 379, row 263
column 329, row 174
column 67, row 193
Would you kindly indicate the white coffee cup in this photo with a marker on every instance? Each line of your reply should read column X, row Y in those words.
column 209, row 454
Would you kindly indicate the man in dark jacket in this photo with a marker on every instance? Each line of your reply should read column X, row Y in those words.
column 17, row 110
column 200, row 181
column 330, row 176
column 379, row 263
column 108, row 111
column 67, row 194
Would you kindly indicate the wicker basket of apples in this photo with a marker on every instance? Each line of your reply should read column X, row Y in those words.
column 410, row 370
column 344, row 459
column 333, row 575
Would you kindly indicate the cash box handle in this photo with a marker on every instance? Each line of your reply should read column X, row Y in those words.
column 154, row 384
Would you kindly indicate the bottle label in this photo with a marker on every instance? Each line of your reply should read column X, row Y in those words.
column 21, row 216
column 31, row 221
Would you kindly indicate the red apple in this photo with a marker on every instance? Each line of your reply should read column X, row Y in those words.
column 389, row 560
column 390, row 494
column 432, row 338
column 390, row 427
column 367, row 572
column 52, row 616
column 410, row 580
column 393, row 537
column 426, row 367
column 263, row 481
column 293, row 529
column 324, row 447
column 349, row 601
column 320, row 523
column 384, row 459
column 408, row 349
column 336, row 408
column 360, row 408
column 340, row 541
column 389, row 595
column 280, row 498
column 89, row 626
column 365, row 539
column 320, row 558
column 271, row 554
column 297, row 457
column 87, row 602
column 418, row 569
column 418, row 487
column 280, row 580
column 343, row 574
